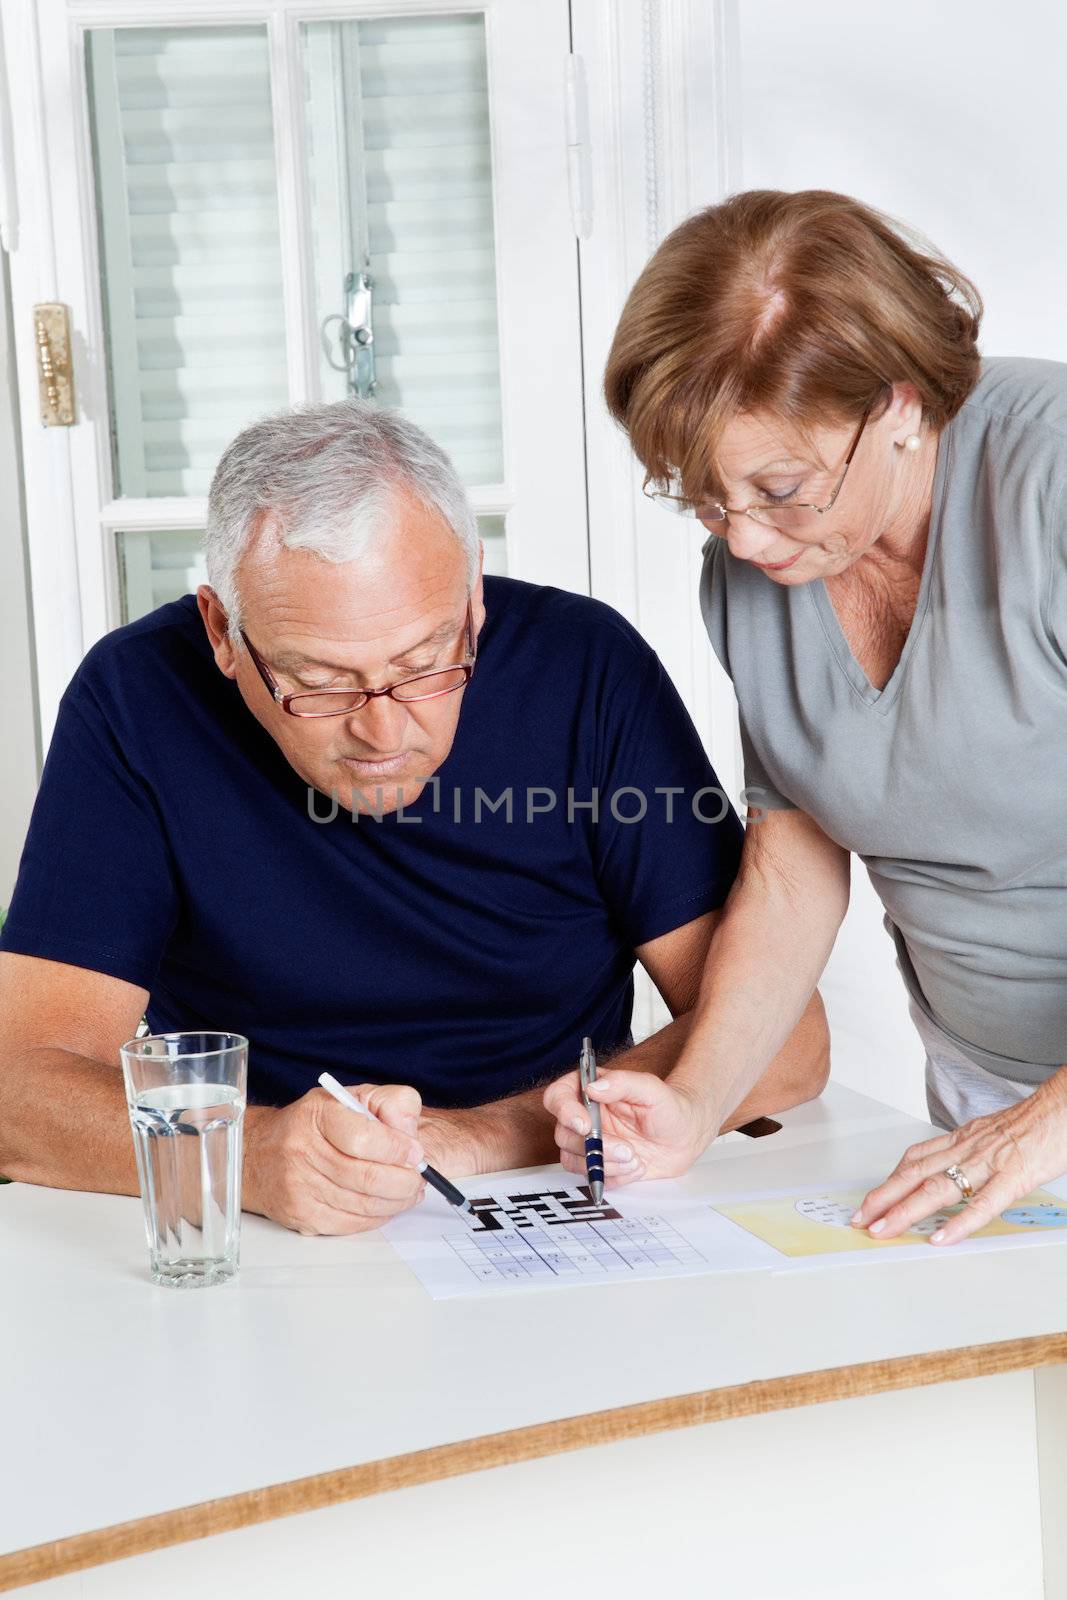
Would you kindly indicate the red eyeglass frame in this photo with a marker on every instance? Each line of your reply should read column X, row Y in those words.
column 361, row 696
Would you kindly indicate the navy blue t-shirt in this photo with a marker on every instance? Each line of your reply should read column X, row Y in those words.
column 172, row 845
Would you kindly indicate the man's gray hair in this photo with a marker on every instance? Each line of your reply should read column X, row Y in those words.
column 330, row 478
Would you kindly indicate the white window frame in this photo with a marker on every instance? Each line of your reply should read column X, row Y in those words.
column 72, row 512
column 665, row 141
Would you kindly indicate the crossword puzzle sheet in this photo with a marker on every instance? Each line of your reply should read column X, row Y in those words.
column 544, row 1232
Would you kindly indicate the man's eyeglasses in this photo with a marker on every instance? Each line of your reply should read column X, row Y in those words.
column 791, row 515
column 340, row 702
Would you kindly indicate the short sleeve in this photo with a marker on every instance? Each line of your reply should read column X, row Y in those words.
column 668, row 841
column 1056, row 593
column 713, row 599
column 96, row 887
column 759, row 790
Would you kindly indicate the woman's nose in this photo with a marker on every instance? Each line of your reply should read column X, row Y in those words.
column 746, row 538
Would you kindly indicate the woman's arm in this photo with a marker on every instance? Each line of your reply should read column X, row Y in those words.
column 764, row 960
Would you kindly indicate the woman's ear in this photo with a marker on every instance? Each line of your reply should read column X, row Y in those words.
column 904, row 414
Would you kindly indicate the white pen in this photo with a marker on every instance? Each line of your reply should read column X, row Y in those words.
column 431, row 1174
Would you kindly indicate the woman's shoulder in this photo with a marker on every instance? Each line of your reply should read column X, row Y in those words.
column 1008, row 448
column 734, row 591
column 1009, row 474
column 1023, row 390
column 714, row 598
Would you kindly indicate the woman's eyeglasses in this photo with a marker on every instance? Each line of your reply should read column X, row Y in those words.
column 714, row 514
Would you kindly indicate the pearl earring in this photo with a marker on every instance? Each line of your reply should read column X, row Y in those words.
column 912, row 442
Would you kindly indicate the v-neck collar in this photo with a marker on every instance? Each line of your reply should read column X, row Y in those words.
column 882, row 699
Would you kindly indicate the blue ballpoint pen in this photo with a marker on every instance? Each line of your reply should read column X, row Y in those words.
column 594, row 1144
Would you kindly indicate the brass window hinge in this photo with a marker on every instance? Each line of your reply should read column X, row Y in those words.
column 55, row 377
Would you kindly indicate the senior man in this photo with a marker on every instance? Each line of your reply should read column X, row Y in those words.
column 381, row 816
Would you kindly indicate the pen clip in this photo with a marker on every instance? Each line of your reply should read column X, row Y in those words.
column 587, row 1069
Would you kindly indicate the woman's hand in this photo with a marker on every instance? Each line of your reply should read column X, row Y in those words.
column 651, row 1129
column 1004, row 1156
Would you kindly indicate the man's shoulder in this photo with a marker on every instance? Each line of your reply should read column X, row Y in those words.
column 558, row 618
column 167, row 636
column 142, row 680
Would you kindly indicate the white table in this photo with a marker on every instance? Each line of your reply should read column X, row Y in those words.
column 835, row 1433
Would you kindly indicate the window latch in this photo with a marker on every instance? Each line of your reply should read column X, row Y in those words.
column 355, row 336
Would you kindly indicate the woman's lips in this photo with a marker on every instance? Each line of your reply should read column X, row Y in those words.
column 777, row 566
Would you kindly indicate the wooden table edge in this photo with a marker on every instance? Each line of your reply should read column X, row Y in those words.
column 80, row 1551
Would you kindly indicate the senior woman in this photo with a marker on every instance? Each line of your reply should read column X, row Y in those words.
column 884, row 581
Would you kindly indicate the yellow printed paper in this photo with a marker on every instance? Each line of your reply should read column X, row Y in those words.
column 820, row 1224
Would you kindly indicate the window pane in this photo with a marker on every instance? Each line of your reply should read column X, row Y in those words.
column 183, row 154
column 494, row 538
column 401, row 189
column 155, row 568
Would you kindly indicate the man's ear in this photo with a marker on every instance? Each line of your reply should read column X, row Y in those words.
column 217, row 627
column 478, row 600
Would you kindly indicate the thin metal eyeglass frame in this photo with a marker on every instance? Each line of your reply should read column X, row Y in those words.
column 761, row 511
column 361, row 696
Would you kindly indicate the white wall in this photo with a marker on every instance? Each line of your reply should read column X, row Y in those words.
column 947, row 115
column 18, row 738
column 950, row 117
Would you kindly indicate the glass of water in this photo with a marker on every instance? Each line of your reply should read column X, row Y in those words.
column 186, row 1094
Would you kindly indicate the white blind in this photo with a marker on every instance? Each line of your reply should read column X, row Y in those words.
column 165, row 564
column 188, row 217
column 156, row 567
column 401, row 181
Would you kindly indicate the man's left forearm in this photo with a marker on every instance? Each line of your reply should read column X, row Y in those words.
column 518, row 1131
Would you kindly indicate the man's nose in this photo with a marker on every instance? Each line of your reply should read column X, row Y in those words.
column 380, row 723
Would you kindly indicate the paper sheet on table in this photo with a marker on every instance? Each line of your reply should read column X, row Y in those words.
column 811, row 1227
column 541, row 1230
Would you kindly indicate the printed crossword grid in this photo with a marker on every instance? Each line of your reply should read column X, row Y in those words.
column 561, row 1233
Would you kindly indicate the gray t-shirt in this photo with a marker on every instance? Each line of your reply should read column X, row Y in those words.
column 951, row 782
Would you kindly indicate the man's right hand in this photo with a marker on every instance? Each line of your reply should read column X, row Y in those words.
column 318, row 1168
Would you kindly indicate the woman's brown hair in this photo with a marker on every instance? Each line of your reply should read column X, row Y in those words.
column 802, row 306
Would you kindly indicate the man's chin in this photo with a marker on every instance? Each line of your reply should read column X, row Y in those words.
column 380, row 793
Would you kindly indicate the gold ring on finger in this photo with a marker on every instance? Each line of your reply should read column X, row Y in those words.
column 961, row 1180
